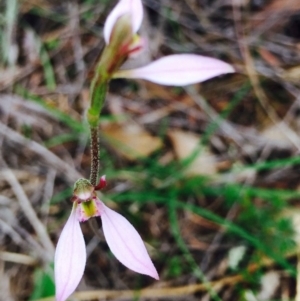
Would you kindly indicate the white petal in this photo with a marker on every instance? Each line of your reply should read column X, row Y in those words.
column 133, row 7
column 70, row 258
column 125, row 243
column 179, row 70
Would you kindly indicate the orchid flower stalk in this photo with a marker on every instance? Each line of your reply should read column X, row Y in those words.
column 122, row 42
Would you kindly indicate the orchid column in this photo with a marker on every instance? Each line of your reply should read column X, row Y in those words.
column 124, row 241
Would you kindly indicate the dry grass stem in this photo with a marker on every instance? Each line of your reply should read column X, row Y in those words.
column 30, row 213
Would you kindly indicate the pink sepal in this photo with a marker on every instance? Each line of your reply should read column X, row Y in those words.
column 133, row 7
column 178, row 70
column 70, row 258
column 125, row 243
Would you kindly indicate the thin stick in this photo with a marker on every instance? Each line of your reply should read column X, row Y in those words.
column 29, row 212
column 49, row 157
column 17, row 258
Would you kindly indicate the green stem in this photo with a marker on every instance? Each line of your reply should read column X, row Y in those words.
column 98, row 93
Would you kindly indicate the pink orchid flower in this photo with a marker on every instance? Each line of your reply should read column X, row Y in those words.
column 176, row 70
column 122, row 239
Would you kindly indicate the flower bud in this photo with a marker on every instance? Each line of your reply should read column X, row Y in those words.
column 119, row 47
column 102, row 183
column 122, row 35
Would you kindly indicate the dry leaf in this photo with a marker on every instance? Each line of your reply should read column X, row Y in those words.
column 235, row 256
column 269, row 57
column 131, row 140
column 269, row 284
column 292, row 74
column 8, row 76
column 275, row 135
column 31, row 46
column 294, row 216
column 184, row 144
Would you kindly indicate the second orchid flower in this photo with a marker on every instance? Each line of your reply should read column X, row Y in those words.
column 176, row 70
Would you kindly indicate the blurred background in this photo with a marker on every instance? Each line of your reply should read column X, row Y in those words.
column 208, row 174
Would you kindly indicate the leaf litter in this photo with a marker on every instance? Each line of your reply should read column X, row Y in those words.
column 232, row 210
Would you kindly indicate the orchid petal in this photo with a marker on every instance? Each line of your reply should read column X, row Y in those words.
column 70, row 258
column 125, row 243
column 133, row 7
column 179, row 70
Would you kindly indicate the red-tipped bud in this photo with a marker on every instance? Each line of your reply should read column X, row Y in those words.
column 102, row 183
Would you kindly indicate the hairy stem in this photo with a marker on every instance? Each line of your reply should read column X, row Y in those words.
column 95, row 162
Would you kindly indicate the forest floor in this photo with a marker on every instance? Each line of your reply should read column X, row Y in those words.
column 209, row 174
